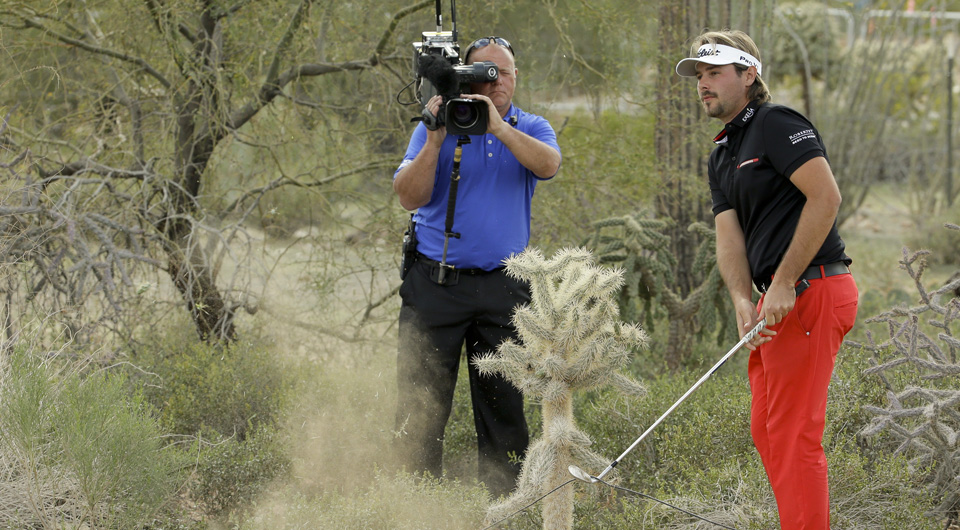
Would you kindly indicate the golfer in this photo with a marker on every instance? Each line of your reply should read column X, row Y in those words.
column 775, row 204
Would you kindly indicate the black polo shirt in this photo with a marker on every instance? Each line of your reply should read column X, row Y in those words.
column 750, row 171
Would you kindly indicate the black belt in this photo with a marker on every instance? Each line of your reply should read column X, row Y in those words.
column 470, row 272
column 813, row 273
column 830, row 269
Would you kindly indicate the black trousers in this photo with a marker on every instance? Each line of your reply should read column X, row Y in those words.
column 436, row 322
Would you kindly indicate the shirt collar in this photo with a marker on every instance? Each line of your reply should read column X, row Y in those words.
column 512, row 115
column 740, row 121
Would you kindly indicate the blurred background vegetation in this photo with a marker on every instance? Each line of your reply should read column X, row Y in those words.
column 199, row 244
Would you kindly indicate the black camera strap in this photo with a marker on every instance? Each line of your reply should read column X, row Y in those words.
column 451, row 206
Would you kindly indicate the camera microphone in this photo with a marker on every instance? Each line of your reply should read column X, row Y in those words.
column 439, row 72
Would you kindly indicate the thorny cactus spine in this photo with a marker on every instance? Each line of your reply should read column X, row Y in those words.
column 571, row 339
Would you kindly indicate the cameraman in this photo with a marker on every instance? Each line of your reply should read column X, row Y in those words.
column 474, row 304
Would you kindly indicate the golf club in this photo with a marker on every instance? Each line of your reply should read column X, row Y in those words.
column 582, row 475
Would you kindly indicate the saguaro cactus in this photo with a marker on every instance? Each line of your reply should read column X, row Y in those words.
column 572, row 339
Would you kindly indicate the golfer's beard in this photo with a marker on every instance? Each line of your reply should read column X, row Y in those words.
column 717, row 110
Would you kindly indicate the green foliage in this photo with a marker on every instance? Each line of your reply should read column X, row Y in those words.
column 818, row 38
column 875, row 492
column 232, row 400
column 641, row 245
column 198, row 387
column 77, row 448
column 607, row 170
column 943, row 244
column 231, row 473
column 702, row 457
column 689, row 437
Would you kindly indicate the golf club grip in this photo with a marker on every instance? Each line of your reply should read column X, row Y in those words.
column 753, row 332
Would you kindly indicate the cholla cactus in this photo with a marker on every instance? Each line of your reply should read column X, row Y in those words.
column 923, row 415
column 694, row 306
column 572, row 339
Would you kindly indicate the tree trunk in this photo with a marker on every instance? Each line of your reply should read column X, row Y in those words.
column 190, row 272
column 197, row 137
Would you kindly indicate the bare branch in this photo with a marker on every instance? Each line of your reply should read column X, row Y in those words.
column 295, row 23
column 385, row 38
column 232, row 9
column 28, row 23
column 272, row 87
column 89, row 166
column 284, row 181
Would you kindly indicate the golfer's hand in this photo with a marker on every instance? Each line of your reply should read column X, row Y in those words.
column 747, row 319
column 779, row 300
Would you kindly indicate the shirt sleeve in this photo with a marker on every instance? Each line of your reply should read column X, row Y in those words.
column 538, row 127
column 790, row 140
column 719, row 198
column 417, row 140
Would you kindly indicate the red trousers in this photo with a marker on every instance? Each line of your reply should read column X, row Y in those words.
column 788, row 381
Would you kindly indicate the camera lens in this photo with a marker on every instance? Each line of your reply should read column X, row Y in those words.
column 464, row 115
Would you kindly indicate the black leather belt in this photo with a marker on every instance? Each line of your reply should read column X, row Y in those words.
column 812, row 273
column 470, row 272
column 830, row 269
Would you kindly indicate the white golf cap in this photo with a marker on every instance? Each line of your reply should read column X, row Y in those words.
column 718, row 54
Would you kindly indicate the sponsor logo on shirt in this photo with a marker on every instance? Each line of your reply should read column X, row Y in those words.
column 748, row 115
column 802, row 135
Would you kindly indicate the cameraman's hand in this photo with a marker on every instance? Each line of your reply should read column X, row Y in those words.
column 495, row 123
column 435, row 138
column 540, row 158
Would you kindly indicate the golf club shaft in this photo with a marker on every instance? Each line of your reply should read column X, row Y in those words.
column 746, row 338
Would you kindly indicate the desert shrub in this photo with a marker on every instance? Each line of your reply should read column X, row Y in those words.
column 231, row 473
column 851, row 392
column 701, row 458
column 198, row 387
column 865, row 495
column 875, row 492
column 78, row 450
column 389, row 503
column 230, row 402
column 713, row 421
column 930, row 234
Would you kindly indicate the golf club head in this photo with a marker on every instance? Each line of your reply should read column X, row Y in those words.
column 581, row 475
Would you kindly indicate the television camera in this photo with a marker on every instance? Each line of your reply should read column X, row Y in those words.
column 439, row 70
